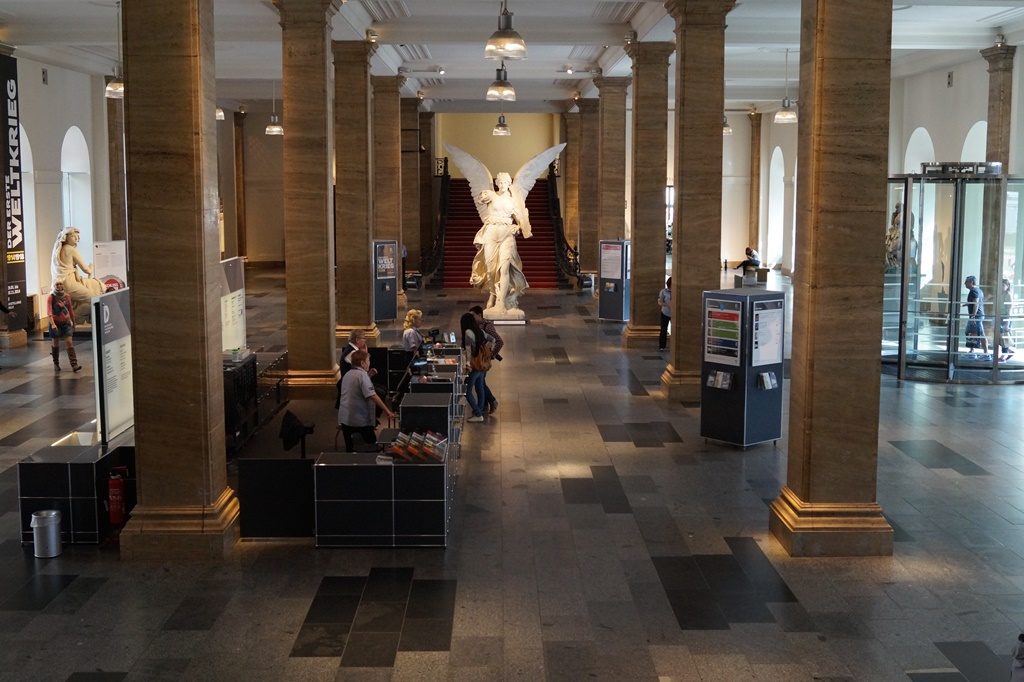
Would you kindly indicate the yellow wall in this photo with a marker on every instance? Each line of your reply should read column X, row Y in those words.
column 531, row 134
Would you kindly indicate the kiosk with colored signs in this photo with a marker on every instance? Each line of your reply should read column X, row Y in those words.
column 613, row 284
column 741, row 379
column 385, row 280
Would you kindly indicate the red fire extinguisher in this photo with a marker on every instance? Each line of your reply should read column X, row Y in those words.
column 115, row 495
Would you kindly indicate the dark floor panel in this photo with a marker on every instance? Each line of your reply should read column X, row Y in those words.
column 432, row 599
column 936, row 677
column 388, row 584
column 579, row 491
column 609, row 490
column 614, row 433
column 197, row 612
column 679, row 573
column 339, row 585
column 321, row 639
column 975, row 660
column 332, row 608
column 370, row 650
column 379, row 616
column 426, row 634
column 37, row 593
column 935, row 455
column 697, row 610
column 76, row 595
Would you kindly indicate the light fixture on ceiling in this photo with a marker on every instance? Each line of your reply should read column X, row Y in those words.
column 372, row 36
column 501, row 128
column 115, row 88
column 219, row 115
column 569, row 69
column 420, row 95
column 501, row 90
column 630, row 37
column 505, row 43
column 787, row 114
column 274, row 127
column 726, row 128
column 1000, row 40
column 440, row 71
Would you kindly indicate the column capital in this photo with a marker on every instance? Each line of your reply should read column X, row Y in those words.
column 612, row 84
column 386, row 84
column 352, row 50
column 999, row 57
column 307, row 11
column 699, row 12
column 650, row 53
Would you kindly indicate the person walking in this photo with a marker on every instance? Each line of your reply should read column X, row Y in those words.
column 665, row 301
column 976, row 315
column 1017, row 662
column 62, row 326
column 474, row 345
column 492, row 335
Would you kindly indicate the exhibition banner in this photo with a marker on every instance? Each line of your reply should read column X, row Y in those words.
column 232, row 304
column 112, row 350
column 110, row 264
column 13, row 244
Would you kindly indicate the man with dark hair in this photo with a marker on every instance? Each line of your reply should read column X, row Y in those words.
column 976, row 314
column 488, row 328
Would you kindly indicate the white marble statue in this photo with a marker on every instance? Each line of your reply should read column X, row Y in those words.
column 497, row 266
column 64, row 267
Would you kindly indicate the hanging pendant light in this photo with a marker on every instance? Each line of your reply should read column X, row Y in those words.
column 787, row 114
column 219, row 114
column 115, row 88
column 505, row 43
column 726, row 128
column 274, row 127
column 501, row 90
column 501, row 128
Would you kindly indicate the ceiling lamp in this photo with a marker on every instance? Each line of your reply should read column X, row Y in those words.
column 505, row 43
column 219, row 114
column 115, row 88
column 274, row 127
column 787, row 114
column 501, row 128
column 501, row 90
column 726, row 128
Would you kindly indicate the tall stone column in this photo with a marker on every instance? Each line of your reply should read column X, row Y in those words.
column 754, row 224
column 353, row 190
column 828, row 506
column 185, row 507
column 308, row 219
column 116, row 161
column 611, row 167
column 697, row 225
column 571, row 219
column 997, row 148
column 387, row 157
column 650, row 176
column 426, row 192
column 589, row 206
column 410, row 141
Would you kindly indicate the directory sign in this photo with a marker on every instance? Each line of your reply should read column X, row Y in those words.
column 112, row 344
column 767, row 333
column 232, row 304
column 722, row 331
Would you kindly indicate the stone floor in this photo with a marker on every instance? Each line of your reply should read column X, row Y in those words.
column 596, row 535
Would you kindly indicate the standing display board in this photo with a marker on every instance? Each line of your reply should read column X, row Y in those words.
column 385, row 280
column 232, row 305
column 112, row 351
column 741, row 378
column 12, row 246
column 110, row 264
column 613, row 282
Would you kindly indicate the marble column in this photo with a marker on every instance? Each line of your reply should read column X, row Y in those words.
column 997, row 148
column 353, row 191
column 426, row 192
column 589, row 209
column 647, row 204
column 387, row 157
column 754, row 224
column 697, row 224
column 571, row 219
column 611, row 165
column 308, row 219
column 115, row 156
column 185, row 508
column 410, row 141
column 828, row 506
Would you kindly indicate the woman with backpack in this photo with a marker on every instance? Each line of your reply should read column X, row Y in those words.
column 478, row 356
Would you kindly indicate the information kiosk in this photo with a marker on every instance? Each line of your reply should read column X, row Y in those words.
column 385, row 280
column 613, row 285
column 741, row 378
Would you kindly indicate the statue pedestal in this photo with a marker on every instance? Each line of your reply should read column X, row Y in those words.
column 510, row 316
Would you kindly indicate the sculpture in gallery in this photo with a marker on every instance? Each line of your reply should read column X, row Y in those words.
column 497, row 266
column 64, row 267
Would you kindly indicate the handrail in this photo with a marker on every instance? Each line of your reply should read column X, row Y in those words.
column 435, row 259
column 567, row 257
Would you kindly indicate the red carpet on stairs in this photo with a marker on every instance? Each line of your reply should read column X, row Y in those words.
column 537, row 252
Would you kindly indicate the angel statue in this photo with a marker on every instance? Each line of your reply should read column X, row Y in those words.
column 497, row 266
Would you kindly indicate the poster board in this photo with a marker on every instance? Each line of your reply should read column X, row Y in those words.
column 112, row 351
column 232, row 305
column 110, row 264
column 723, row 331
column 768, row 333
column 12, row 245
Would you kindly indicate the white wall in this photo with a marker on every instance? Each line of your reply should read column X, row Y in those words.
column 736, row 187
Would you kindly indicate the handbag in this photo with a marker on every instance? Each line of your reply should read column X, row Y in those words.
column 481, row 360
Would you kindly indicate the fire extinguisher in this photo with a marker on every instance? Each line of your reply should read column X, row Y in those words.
column 115, row 495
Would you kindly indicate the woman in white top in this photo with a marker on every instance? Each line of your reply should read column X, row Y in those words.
column 412, row 339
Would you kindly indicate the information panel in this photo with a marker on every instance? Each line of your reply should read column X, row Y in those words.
column 611, row 261
column 722, row 331
column 768, row 333
column 232, row 304
column 110, row 263
column 112, row 344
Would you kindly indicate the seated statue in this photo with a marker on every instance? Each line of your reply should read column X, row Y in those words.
column 64, row 267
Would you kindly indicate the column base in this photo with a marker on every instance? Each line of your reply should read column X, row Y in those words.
column 681, row 386
column 829, row 529
column 641, row 336
column 310, row 384
column 187, row 532
column 13, row 338
column 341, row 333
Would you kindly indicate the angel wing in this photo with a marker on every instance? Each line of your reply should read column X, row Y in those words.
column 526, row 178
column 479, row 177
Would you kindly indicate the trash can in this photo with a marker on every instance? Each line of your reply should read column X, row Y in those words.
column 46, row 533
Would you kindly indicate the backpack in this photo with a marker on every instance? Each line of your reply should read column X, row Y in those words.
column 481, row 360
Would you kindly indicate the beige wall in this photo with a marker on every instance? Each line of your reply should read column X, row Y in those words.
column 264, row 188
column 531, row 134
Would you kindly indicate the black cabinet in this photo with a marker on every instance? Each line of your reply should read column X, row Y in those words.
column 241, row 414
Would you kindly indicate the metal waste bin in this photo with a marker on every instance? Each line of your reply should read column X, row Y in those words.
column 46, row 533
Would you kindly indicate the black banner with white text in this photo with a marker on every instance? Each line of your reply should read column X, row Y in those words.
column 13, row 243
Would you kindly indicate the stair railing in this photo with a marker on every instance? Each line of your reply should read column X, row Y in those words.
column 434, row 262
column 567, row 257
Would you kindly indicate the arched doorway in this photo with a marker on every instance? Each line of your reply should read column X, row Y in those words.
column 975, row 143
column 919, row 150
column 76, row 187
column 773, row 246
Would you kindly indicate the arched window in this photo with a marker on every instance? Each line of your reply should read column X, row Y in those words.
column 76, row 187
column 975, row 143
column 776, row 208
column 28, row 215
column 919, row 150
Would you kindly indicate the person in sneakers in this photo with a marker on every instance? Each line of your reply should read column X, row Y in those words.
column 474, row 344
column 62, row 326
column 489, row 331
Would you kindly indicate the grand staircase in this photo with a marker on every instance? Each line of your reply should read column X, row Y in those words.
column 537, row 252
